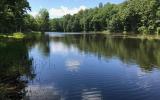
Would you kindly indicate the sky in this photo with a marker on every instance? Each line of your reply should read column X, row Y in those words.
column 59, row 8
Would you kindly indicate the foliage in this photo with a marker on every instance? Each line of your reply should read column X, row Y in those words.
column 141, row 16
column 136, row 16
column 11, row 15
column 18, row 35
column 43, row 20
column 30, row 23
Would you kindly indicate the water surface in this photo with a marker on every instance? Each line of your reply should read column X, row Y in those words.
column 62, row 66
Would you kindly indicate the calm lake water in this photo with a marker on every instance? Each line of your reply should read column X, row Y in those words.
column 61, row 66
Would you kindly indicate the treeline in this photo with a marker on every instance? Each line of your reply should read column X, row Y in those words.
column 138, row 16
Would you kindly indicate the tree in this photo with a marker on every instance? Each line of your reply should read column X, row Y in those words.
column 138, row 16
column 30, row 24
column 56, row 25
column 43, row 20
column 11, row 14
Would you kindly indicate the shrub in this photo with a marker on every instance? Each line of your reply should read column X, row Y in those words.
column 143, row 30
column 18, row 35
column 151, row 29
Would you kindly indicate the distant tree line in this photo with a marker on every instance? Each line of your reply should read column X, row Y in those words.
column 137, row 16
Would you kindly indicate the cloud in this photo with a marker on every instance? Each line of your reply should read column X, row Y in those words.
column 59, row 12
column 33, row 13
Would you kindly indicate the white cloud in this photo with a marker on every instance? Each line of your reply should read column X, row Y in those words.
column 33, row 13
column 59, row 12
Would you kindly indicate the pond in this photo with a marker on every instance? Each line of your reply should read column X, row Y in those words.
column 63, row 66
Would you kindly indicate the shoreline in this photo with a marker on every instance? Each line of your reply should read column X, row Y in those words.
column 19, row 35
column 135, row 36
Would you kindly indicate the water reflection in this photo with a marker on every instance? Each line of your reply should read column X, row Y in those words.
column 119, row 68
column 72, row 65
column 37, row 92
column 142, row 52
column 91, row 94
column 60, row 48
column 16, row 69
column 80, row 67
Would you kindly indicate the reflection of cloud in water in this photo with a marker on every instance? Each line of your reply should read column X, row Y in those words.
column 141, row 73
column 37, row 92
column 91, row 94
column 60, row 48
column 72, row 65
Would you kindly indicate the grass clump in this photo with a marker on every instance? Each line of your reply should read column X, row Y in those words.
column 17, row 35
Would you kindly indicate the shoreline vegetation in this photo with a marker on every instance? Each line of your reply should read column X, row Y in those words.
column 20, row 35
column 17, row 35
column 128, row 35
column 138, row 16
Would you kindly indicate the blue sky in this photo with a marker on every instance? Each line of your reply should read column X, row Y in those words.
column 58, row 8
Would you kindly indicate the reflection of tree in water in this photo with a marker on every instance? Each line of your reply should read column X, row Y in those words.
column 42, row 42
column 143, row 52
column 16, row 69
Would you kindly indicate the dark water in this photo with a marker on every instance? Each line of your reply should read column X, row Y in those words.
column 80, row 67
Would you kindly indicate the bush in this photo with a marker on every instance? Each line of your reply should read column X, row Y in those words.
column 18, row 35
column 143, row 30
column 151, row 29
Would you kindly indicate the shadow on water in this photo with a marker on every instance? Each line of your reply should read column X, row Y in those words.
column 16, row 69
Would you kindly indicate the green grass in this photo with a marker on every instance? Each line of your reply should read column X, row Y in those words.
column 17, row 35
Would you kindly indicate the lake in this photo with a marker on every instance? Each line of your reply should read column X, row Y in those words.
column 63, row 66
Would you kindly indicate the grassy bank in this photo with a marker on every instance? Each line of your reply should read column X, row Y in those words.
column 19, row 35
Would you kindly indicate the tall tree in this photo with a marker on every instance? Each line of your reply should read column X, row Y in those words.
column 11, row 14
column 43, row 20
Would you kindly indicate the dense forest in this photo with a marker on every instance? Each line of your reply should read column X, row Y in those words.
column 136, row 16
